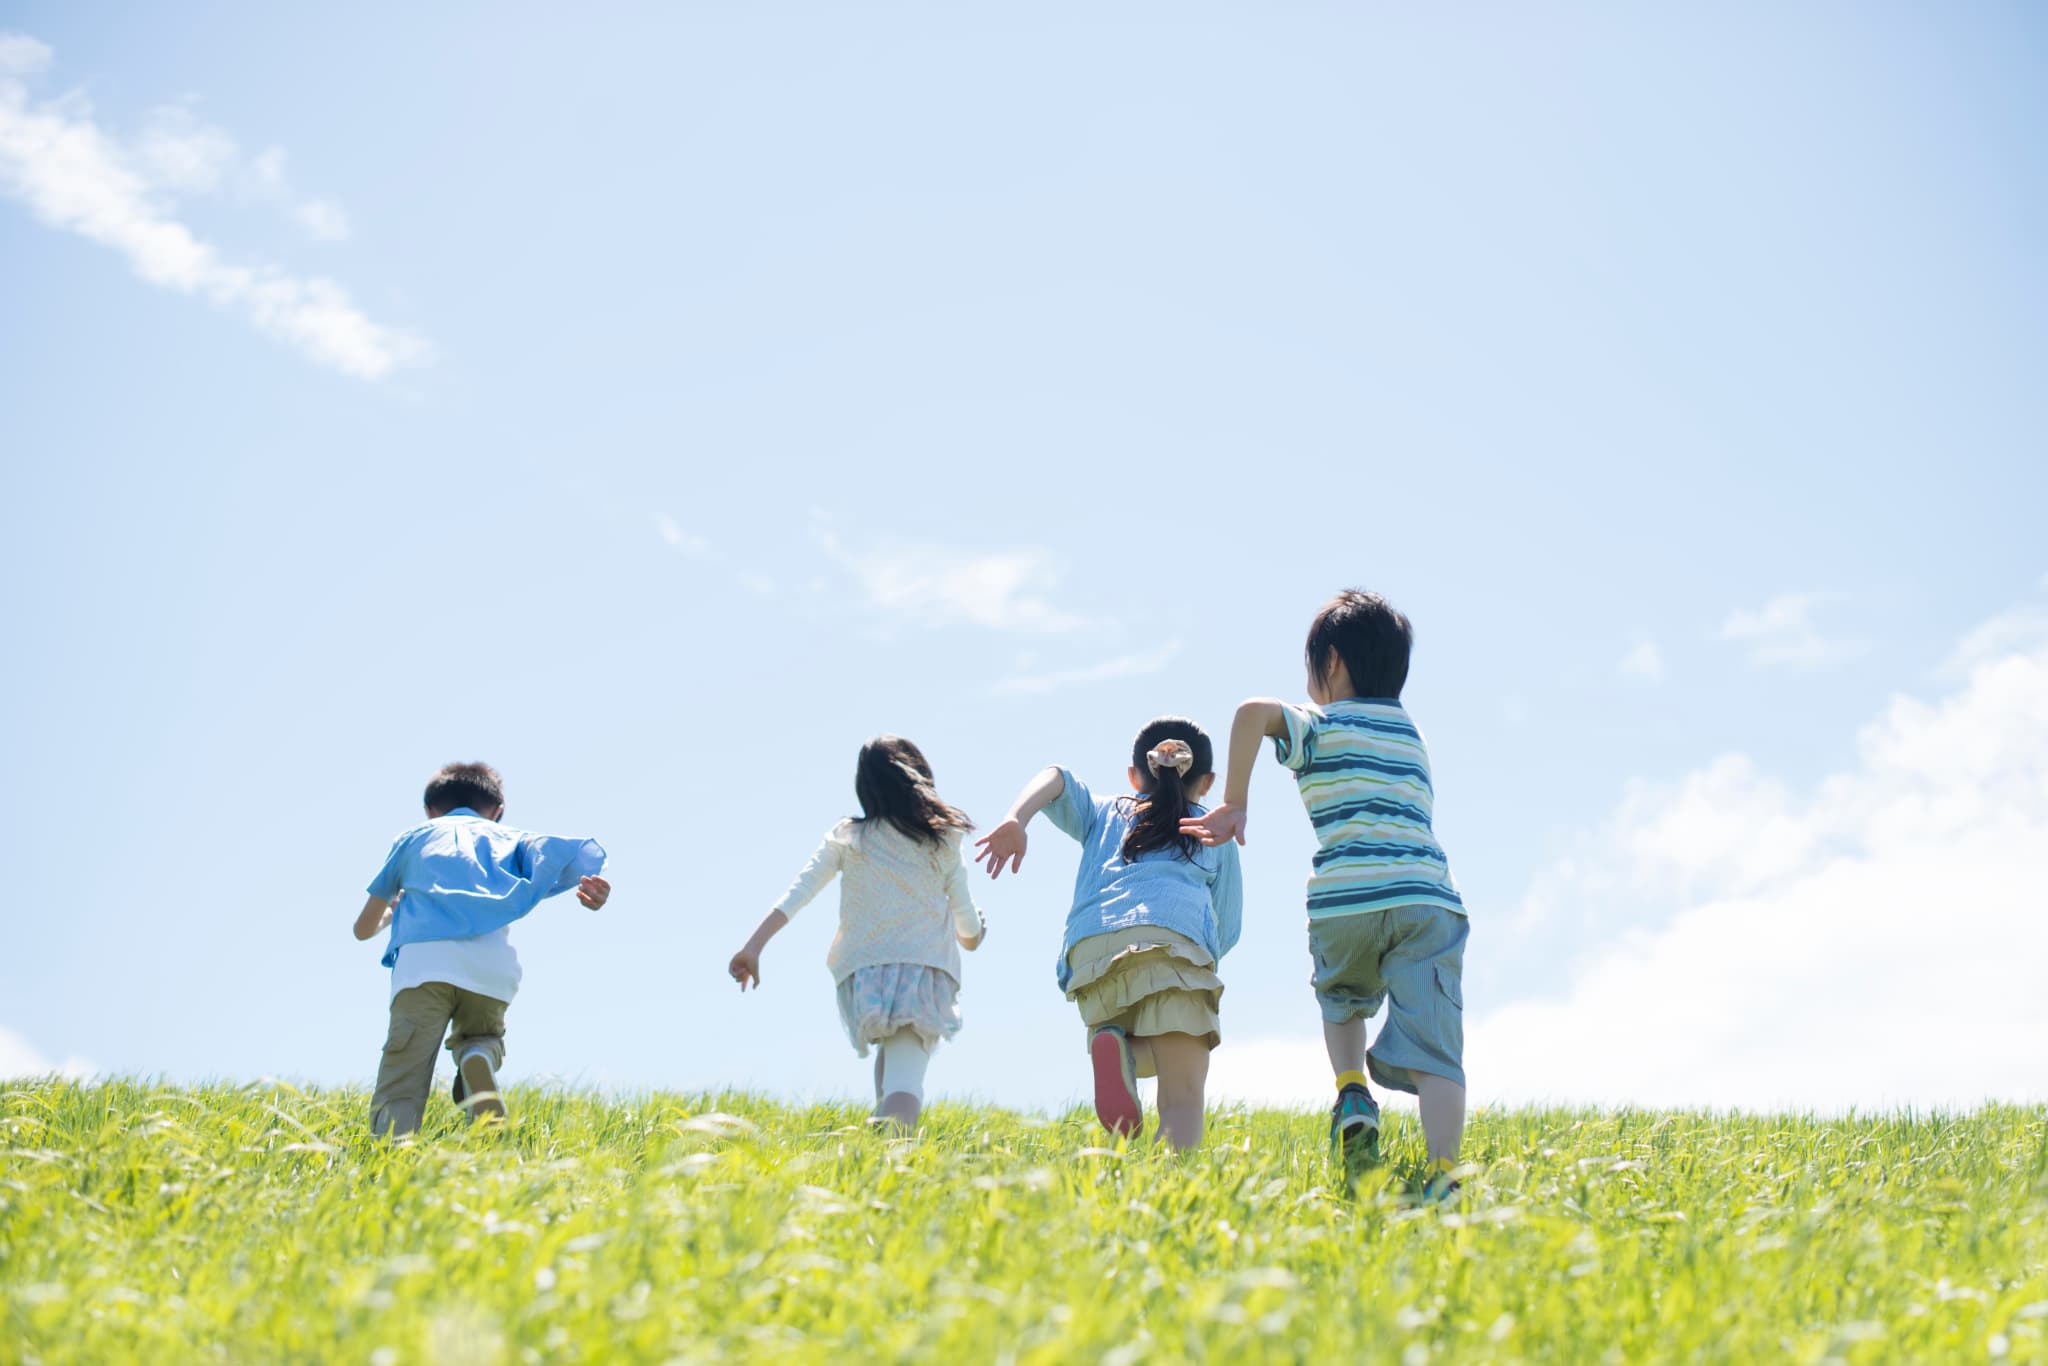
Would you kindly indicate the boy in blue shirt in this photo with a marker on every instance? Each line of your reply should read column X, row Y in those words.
column 1386, row 924
column 450, row 890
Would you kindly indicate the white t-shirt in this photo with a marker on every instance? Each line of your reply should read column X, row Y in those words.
column 484, row 964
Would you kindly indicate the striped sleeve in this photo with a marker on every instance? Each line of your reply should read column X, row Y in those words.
column 1296, row 746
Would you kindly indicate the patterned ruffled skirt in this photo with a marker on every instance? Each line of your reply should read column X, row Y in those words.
column 1146, row 981
column 877, row 1002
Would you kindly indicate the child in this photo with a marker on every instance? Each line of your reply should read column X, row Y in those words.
column 904, row 915
column 1153, row 913
column 449, row 890
column 1385, row 921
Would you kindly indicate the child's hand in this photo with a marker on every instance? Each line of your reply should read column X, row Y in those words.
column 972, row 944
column 593, row 892
column 1005, row 843
column 1224, row 822
column 745, row 965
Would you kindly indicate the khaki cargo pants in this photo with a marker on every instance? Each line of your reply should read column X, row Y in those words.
column 419, row 1017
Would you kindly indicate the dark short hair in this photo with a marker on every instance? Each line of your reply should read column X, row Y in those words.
column 476, row 786
column 1371, row 638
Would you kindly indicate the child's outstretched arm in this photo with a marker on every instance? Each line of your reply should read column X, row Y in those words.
column 1258, row 719
column 372, row 919
column 1006, row 843
column 823, row 867
column 746, row 964
column 969, row 928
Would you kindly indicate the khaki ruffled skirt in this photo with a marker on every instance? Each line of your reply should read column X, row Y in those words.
column 1146, row 981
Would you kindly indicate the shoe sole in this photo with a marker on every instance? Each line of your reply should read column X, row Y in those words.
column 1359, row 1139
column 481, row 1088
column 1116, row 1101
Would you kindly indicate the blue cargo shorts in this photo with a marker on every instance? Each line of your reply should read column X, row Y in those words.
column 1411, row 956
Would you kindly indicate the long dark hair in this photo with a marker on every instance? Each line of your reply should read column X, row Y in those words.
column 894, row 784
column 1164, row 801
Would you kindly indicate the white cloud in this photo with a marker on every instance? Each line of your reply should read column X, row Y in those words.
column 1123, row 666
column 1873, row 939
column 2017, row 629
column 1782, row 631
column 935, row 586
column 1645, row 661
column 17, row 1058
column 75, row 176
column 1276, row 1070
column 21, row 55
column 688, row 542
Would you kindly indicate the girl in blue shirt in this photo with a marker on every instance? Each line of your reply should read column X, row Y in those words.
column 1153, row 912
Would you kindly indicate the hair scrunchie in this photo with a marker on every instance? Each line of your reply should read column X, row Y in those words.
column 1177, row 755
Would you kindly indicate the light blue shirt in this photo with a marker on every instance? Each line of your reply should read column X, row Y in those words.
column 459, row 875
column 1202, row 897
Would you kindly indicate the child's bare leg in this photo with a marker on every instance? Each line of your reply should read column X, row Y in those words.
column 878, row 1081
column 1143, row 1063
column 1183, row 1063
column 1346, row 1045
column 1443, row 1115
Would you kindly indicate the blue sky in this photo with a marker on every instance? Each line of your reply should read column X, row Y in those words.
column 658, row 403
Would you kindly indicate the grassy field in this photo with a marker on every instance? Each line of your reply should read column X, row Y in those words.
column 260, row 1224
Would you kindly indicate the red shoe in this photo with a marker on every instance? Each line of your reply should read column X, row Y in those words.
column 1116, row 1082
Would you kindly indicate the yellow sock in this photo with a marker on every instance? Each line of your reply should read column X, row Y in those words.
column 1353, row 1078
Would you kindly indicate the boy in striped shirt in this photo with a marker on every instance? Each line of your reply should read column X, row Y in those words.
column 1385, row 921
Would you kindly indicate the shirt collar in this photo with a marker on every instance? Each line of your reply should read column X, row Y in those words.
column 1364, row 702
column 461, row 811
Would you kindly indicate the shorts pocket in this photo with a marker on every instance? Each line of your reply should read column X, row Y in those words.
column 1447, row 982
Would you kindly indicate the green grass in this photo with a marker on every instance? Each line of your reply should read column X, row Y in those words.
column 261, row 1224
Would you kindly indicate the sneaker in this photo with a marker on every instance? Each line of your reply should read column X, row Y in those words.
column 1441, row 1190
column 1116, row 1081
column 473, row 1078
column 1355, row 1125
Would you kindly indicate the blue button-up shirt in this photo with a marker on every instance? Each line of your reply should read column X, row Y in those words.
column 460, row 875
column 1202, row 897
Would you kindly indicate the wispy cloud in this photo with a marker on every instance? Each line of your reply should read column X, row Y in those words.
column 182, row 154
column 935, row 586
column 673, row 535
column 2021, row 628
column 17, row 1057
column 1123, row 666
column 1644, row 661
column 1783, row 631
column 77, row 177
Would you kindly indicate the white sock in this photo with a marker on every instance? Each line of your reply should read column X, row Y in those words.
column 904, row 1059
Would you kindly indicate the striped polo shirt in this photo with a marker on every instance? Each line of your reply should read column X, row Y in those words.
column 1364, row 777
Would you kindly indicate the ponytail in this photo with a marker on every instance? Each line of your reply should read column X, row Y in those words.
column 1174, row 753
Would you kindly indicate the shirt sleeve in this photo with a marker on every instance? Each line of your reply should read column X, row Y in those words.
column 1226, row 895
column 1073, row 811
column 959, row 896
column 1297, row 746
column 390, row 879
column 823, row 867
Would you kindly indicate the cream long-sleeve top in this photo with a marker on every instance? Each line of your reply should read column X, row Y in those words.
column 901, row 900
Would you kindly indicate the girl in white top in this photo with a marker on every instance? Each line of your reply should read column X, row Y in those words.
column 904, row 915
